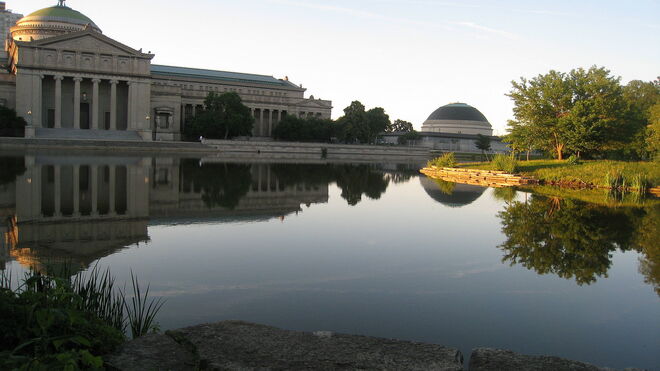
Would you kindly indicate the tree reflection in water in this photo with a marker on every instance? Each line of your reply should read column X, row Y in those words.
column 222, row 184
column 575, row 240
column 11, row 168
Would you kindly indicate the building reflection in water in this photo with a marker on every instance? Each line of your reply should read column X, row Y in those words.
column 74, row 211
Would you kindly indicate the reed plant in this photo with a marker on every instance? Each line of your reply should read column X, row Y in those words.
column 52, row 322
column 505, row 163
column 446, row 160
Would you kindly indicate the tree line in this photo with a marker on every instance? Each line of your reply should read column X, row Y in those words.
column 585, row 113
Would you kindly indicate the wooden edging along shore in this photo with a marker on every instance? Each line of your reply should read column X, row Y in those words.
column 490, row 178
column 486, row 178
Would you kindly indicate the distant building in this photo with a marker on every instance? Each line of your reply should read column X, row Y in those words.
column 454, row 128
column 7, row 19
column 68, row 80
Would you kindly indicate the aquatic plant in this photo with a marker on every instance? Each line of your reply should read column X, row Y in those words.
column 446, row 160
column 505, row 163
column 142, row 312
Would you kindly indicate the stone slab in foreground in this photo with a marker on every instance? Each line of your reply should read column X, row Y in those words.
column 488, row 359
column 235, row 345
column 152, row 352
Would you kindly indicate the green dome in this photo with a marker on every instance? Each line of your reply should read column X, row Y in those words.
column 58, row 13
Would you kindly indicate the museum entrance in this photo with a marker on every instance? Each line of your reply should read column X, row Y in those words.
column 84, row 115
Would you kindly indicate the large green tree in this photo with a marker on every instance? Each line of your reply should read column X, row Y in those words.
column 640, row 98
column 653, row 137
column 298, row 129
column 224, row 116
column 579, row 111
column 360, row 125
column 520, row 138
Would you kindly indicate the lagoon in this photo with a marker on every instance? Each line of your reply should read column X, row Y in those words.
column 362, row 248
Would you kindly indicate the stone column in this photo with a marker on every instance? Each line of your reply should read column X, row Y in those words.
column 270, row 122
column 113, row 104
column 58, row 191
column 129, row 115
column 37, row 84
column 111, row 198
column 94, row 173
column 95, row 104
column 58, row 101
column 76, row 102
column 261, row 122
column 76, row 191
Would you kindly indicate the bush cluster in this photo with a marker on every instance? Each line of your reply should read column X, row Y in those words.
column 505, row 163
column 446, row 160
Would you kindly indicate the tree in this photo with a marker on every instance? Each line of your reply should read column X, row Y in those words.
column 359, row 125
column 224, row 116
column 520, row 138
column 11, row 125
column 653, row 137
column 576, row 111
column 409, row 137
column 399, row 126
column 377, row 122
column 312, row 129
column 482, row 143
column 640, row 97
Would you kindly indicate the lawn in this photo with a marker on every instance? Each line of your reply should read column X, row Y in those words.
column 589, row 172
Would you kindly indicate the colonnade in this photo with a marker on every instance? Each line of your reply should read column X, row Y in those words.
column 101, row 186
column 265, row 120
column 79, row 96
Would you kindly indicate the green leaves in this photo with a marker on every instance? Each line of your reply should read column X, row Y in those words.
column 224, row 116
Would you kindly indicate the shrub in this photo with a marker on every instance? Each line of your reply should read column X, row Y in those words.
column 446, row 160
column 11, row 125
column 505, row 163
column 573, row 160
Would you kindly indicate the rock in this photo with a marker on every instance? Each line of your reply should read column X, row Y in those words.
column 488, row 359
column 235, row 345
column 152, row 352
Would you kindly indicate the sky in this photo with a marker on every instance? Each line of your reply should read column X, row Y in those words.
column 407, row 56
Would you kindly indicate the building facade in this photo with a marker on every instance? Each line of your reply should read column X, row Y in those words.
column 67, row 79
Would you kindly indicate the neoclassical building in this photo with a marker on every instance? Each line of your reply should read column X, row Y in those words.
column 69, row 80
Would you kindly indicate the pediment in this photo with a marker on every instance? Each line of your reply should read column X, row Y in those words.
column 313, row 103
column 89, row 41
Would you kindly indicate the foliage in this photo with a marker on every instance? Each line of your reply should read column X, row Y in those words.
column 45, row 327
column 571, row 239
column 298, row 129
column 521, row 138
column 356, row 180
column 573, row 160
column 400, row 126
column 482, row 143
column 586, row 172
column 640, row 97
column 505, row 163
column 446, row 160
column 11, row 125
column 221, row 184
column 224, row 116
column 359, row 125
column 409, row 137
column 12, row 167
column 580, row 111
column 653, row 138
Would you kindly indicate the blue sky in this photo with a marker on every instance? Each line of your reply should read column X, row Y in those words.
column 409, row 57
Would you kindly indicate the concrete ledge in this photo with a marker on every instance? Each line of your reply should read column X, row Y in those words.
column 236, row 345
column 487, row 359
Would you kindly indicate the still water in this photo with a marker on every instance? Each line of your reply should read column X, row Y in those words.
column 373, row 249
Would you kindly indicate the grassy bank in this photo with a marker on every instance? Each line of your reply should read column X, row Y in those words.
column 590, row 173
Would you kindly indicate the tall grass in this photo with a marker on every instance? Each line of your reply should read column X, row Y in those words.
column 446, row 160
column 505, row 163
column 142, row 312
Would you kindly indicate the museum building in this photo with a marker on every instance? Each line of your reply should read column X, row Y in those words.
column 68, row 80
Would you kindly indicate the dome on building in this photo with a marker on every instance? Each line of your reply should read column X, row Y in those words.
column 451, row 194
column 457, row 118
column 53, row 21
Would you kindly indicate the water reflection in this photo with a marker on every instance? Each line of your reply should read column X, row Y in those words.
column 58, row 209
column 451, row 194
column 575, row 240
